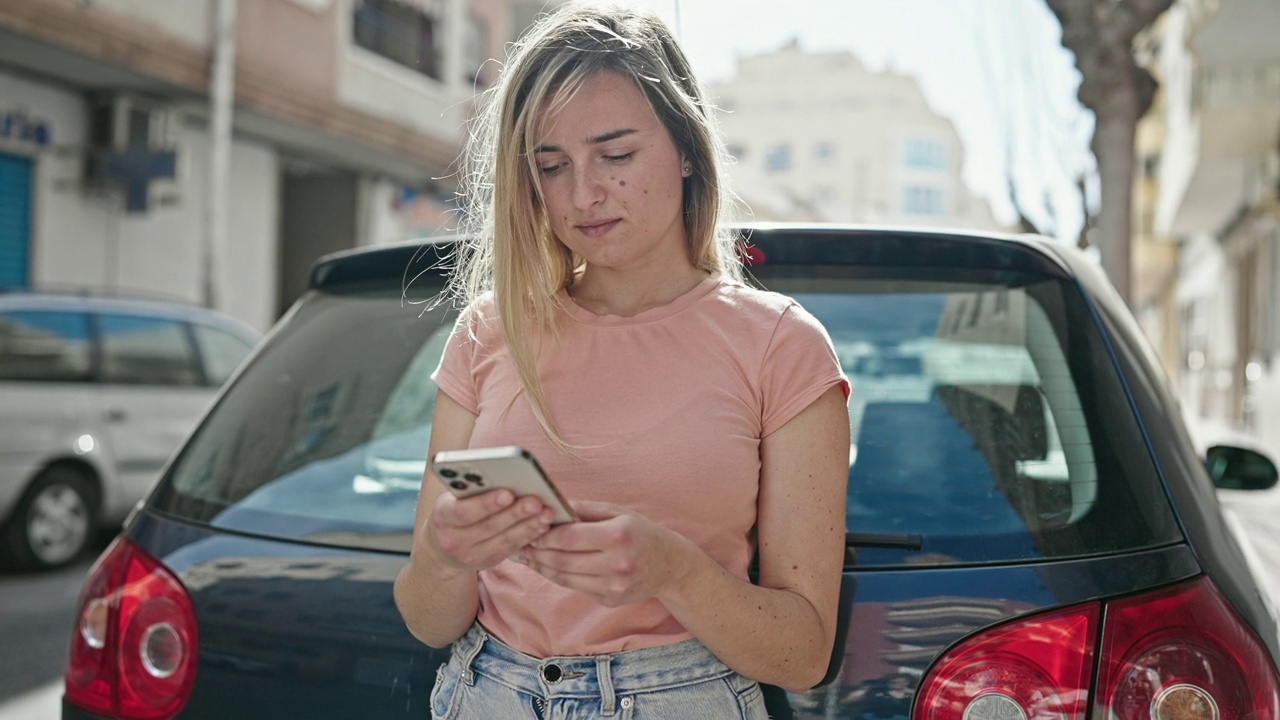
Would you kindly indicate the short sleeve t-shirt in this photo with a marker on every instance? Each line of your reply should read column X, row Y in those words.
column 666, row 410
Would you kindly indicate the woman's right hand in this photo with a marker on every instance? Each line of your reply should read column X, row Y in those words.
column 478, row 532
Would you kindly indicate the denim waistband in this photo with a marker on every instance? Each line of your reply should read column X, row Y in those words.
column 587, row 676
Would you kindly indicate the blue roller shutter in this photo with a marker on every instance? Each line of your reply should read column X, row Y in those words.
column 15, row 220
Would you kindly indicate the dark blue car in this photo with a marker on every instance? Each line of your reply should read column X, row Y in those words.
column 1031, row 533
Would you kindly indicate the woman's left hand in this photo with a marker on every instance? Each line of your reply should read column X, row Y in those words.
column 613, row 554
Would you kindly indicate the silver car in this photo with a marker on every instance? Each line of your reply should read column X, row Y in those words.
column 95, row 394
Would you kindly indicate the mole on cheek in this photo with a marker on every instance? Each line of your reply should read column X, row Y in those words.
column 622, row 183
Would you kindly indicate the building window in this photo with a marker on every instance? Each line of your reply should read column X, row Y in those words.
column 475, row 44
column 824, row 152
column 1151, row 165
column 778, row 158
column 923, row 201
column 404, row 31
column 924, row 154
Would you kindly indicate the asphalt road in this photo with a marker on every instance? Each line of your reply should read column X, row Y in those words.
column 36, row 612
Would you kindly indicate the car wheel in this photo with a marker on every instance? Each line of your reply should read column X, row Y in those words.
column 53, row 522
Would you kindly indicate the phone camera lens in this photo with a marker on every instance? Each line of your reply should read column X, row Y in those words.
column 457, row 484
column 448, row 473
column 475, row 478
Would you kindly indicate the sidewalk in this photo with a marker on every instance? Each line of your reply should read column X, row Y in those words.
column 42, row 703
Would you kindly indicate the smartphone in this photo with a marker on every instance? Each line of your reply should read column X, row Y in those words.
column 471, row 472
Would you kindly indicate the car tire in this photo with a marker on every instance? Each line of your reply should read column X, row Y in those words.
column 53, row 523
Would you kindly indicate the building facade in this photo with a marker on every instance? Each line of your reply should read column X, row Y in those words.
column 1155, row 255
column 867, row 149
column 348, row 117
column 1218, row 176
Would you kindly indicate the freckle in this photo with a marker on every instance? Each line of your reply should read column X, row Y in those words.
column 795, row 567
column 623, row 183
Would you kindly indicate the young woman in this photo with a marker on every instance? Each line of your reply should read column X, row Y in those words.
column 693, row 422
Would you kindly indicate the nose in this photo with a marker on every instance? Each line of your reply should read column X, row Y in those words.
column 588, row 187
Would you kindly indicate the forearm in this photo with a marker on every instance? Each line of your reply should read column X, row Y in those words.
column 437, row 603
column 789, row 644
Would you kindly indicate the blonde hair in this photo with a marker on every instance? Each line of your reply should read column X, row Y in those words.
column 507, row 244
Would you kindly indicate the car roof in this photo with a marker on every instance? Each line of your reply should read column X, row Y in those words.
column 86, row 301
column 433, row 252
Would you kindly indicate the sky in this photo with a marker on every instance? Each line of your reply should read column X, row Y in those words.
column 995, row 68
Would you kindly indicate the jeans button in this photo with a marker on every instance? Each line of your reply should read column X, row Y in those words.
column 552, row 674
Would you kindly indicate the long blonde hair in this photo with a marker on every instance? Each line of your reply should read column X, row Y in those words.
column 508, row 246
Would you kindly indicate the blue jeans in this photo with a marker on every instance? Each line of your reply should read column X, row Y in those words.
column 488, row 680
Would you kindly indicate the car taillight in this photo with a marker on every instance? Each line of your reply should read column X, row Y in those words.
column 1183, row 654
column 750, row 255
column 133, row 649
column 1036, row 667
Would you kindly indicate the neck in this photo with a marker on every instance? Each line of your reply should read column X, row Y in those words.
column 605, row 291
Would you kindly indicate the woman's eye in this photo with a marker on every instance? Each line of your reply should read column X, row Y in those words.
column 550, row 169
column 619, row 158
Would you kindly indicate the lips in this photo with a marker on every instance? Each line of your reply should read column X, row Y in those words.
column 597, row 229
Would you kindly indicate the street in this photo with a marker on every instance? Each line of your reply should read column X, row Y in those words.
column 35, row 619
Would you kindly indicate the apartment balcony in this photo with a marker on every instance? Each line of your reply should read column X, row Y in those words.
column 304, row 83
column 1223, row 113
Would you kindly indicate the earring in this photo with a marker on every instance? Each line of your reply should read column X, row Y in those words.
column 687, row 170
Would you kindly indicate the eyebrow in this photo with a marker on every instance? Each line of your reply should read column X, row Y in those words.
column 613, row 135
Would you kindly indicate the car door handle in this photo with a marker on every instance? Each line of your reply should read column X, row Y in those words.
column 115, row 415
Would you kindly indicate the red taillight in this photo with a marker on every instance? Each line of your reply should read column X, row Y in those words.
column 1180, row 653
column 750, row 254
column 1037, row 667
column 1183, row 654
column 133, row 649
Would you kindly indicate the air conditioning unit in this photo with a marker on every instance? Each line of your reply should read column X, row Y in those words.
column 133, row 147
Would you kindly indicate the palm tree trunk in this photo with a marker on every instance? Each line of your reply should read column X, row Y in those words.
column 1112, row 145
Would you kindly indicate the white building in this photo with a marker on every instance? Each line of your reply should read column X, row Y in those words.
column 1218, row 179
column 818, row 136
column 348, row 116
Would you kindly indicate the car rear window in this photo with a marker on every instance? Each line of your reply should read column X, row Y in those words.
column 988, row 424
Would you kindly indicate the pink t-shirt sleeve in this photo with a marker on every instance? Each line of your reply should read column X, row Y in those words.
column 799, row 366
column 455, row 376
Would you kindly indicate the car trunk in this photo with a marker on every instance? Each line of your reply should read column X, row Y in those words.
column 290, row 629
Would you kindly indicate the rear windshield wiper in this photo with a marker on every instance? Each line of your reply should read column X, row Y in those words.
column 906, row 541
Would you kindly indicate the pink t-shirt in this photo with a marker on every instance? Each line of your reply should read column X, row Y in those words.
column 668, row 409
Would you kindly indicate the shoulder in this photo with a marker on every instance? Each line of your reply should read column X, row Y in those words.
column 752, row 302
column 764, row 307
column 777, row 317
column 479, row 307
column 478, row 320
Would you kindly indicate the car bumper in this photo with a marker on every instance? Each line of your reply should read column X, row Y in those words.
column 71, row 712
